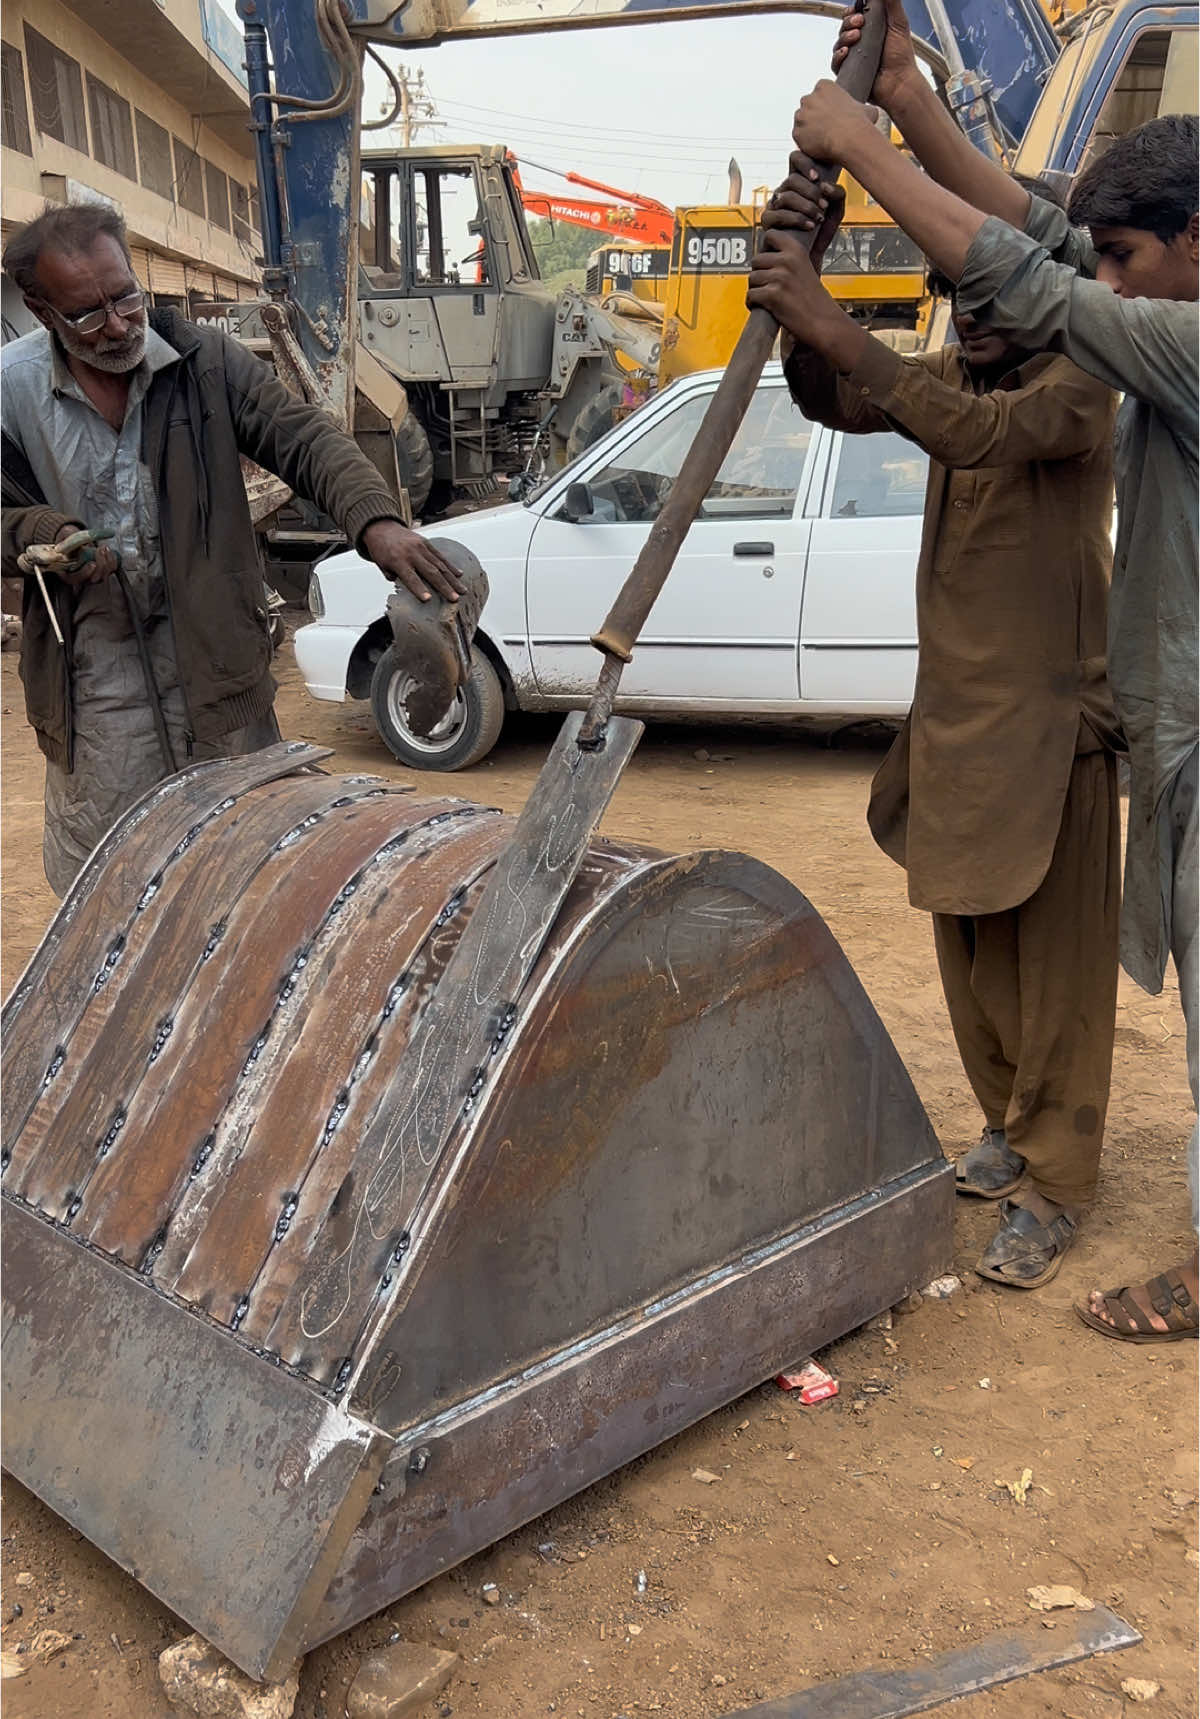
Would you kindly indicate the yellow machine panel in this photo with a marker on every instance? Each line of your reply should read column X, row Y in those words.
column 705, row 302
column 622, row 266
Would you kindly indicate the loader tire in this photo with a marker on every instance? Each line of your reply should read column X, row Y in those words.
column 465, row 735
column 597, row 416
column 414, row 456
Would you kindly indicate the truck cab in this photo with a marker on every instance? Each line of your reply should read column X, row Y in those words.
column 1119, row 66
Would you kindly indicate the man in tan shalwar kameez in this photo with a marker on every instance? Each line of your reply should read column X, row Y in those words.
column 999, row 796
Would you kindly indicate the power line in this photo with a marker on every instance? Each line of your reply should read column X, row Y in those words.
column 571, row 126
column 710, row 162
column 595, row 135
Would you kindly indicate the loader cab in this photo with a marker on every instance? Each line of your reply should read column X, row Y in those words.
column 449, row 285
column 1119, row 67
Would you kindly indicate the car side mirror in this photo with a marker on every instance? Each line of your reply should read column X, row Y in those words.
column 578, row 503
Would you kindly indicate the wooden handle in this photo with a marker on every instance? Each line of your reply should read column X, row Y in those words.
column 714, row 438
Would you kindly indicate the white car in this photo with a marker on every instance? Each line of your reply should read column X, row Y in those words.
column 793, row 594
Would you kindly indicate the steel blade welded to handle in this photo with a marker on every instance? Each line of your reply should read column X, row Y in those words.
column 729, row 405
column 347, row 1289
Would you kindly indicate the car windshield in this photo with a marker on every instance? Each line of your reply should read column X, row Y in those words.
column 543, row 484
column 758, row 478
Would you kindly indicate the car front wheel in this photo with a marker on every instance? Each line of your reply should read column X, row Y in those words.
column 467, row 732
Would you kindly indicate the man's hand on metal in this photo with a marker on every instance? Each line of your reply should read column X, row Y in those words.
column 89, row 559
column 898, row 62
column 404, row 555
column 802, row 203
column 828, row 120
column 783, row 281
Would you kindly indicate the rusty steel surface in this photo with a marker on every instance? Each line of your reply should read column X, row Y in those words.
column 206, row 1474
column 320, row 1118
column 461, row 1480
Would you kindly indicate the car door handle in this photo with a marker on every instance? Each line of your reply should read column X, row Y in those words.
column 754, row 548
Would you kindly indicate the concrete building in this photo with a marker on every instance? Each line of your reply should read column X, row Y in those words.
column 141, row 103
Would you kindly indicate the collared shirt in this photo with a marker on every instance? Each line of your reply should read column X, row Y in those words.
column 93, row 473
column 1011, row 595
column 85, row 468
column 1148, row 348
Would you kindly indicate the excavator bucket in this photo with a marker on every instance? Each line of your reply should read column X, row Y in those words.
column 690, row 1156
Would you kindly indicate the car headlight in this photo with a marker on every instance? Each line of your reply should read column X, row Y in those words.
column 316, row 601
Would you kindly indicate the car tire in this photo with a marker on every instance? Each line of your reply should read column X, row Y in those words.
column 414, row 458
column 467, row 734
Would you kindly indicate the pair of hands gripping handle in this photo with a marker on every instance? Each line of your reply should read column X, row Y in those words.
column 728, row 407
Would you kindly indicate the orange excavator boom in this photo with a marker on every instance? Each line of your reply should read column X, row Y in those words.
column 616, row 220
column 642, row 219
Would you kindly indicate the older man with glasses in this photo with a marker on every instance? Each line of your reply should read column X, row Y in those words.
column 155, row 651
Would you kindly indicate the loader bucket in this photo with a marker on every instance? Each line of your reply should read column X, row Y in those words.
column 691, row 1156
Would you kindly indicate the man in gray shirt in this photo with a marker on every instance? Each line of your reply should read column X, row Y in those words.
column 1019, row 267
column 155, row 654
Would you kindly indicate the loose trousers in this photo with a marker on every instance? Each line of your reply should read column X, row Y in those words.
column 1182, row 890
column 1032, row 994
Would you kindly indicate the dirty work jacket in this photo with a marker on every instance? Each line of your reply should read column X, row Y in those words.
column 1011, row 599
column 1148, row 347
column 199, row 415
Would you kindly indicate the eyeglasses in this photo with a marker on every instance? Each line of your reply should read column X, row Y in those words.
column 91, row 321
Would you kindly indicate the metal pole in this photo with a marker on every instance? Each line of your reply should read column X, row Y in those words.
column 258, row 77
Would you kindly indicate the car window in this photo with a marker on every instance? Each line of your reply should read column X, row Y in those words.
column 879, row 476
column 758, row 479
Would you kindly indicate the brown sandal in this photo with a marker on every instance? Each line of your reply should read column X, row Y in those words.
column 1170, row 1298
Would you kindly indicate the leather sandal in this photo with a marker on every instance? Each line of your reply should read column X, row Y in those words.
column 989, row 1171
column 434, row 638
column 1170, row 1298
column 1025, row 1253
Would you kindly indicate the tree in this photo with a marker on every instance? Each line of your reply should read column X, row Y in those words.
column 563, row 250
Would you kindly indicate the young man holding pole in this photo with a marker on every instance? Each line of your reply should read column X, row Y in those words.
column 999, row 797
column 1124, row 309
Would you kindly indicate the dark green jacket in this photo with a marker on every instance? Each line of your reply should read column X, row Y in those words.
column 198, row 417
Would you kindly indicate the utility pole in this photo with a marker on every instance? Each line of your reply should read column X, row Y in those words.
column 417, row 110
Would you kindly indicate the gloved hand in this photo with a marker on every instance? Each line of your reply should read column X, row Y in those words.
column 77, row 557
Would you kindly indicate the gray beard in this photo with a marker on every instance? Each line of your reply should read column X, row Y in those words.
column 115, row 357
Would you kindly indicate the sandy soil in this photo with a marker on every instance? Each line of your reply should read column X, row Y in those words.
column 872, row 1529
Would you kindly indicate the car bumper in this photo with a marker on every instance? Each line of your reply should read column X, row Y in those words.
column 323, row 655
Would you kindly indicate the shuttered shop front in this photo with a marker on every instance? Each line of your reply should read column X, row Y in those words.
column 167, row 276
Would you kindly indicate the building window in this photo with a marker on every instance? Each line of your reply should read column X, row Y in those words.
column 56, row 88
column 218, row 196
column 16, row 109
column 242, row 229
column 189, row 179
column 154, row 156
column 112, row 128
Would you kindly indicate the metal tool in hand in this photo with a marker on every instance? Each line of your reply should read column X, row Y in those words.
column 67, row 556
column 437, row 1080
column 64, row 556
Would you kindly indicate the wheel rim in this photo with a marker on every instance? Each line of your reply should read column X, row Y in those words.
column 444, row 736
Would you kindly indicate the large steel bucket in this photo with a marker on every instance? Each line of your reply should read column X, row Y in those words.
column 691, row 1155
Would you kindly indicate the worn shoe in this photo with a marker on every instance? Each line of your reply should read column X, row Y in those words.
column 989, row 1171
column 434, row 638
column 1024, row 1253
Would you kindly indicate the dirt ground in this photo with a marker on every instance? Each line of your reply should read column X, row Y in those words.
column 873, row 1529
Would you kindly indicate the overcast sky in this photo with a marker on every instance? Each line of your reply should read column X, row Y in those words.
column 656, row 108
